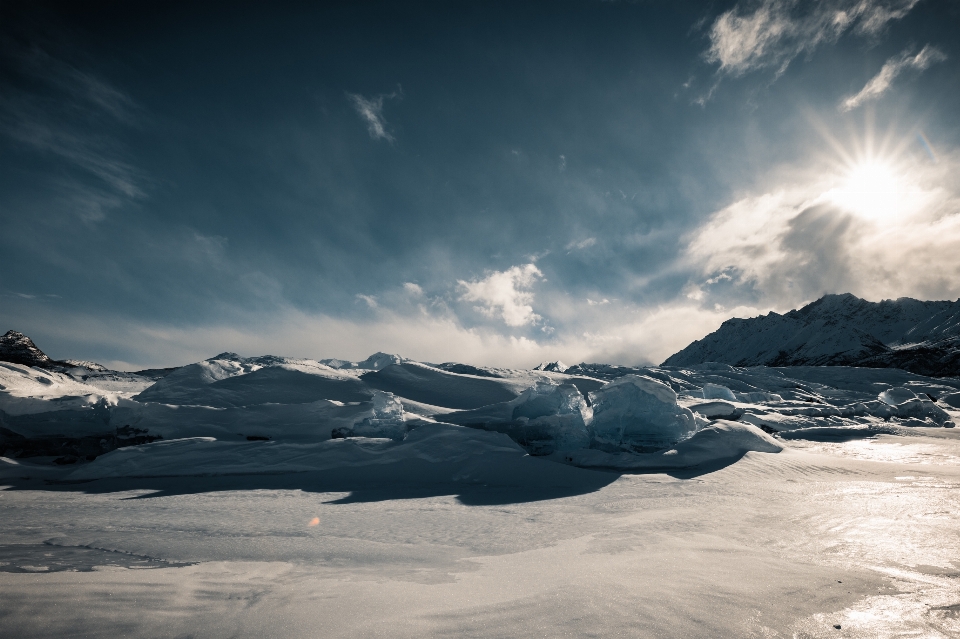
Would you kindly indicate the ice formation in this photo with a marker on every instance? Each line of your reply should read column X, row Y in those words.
column 385, row 419
column 553, row 416
column 640, row 414
column 80, row 414
column 896, row 395
column 904, row 403
column 717, row 410
column 716, row 391
column 721, row 440
column 633, row 413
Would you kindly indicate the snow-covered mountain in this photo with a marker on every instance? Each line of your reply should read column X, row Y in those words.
column 556, row 367
column 17, row 348
column 839, row 330
column 373, row 363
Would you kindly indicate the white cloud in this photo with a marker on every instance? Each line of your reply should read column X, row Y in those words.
column 794, row 244
column 371, row 111
column 776, row 31
column 879, row 83
column 632, row 338
column 413, row 289
column 505, row 294
column 370, row 300
column 582, row 244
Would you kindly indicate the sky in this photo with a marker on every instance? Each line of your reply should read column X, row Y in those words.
column 490, row 183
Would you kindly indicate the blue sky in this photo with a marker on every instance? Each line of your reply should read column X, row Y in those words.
column 480, row 182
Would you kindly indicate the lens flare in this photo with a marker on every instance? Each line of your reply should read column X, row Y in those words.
column 314, row 522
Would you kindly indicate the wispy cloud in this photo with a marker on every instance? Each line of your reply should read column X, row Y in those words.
column 73, row 115
column 879, row 83
column 87, row 152
column 772, row 33
column 370, row 300
column 505, row 294
column 371, row 111
column 109, row 99
column 582, row 244
column 86, row 91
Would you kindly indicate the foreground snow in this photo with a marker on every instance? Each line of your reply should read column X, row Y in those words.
column 860, row 534
column 293, row 498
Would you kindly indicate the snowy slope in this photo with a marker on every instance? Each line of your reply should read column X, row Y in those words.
column 839, row 330
column 230, row 380
column 588, row 415
column 17, row 348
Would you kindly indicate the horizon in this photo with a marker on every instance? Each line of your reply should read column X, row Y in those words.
column 487, row 184
column 438, row 362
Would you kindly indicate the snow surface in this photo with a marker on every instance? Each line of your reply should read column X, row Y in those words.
column 297, row 499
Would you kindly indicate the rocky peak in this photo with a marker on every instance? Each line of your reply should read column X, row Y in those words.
column 17, row 348
column 552, row 367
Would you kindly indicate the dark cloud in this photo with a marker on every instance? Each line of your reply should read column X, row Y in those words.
column 178, row 172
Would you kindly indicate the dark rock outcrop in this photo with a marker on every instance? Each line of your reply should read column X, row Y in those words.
column 17, row 348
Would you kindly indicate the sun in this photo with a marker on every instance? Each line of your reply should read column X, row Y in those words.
column 872, row 189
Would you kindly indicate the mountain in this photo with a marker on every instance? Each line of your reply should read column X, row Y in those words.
column 373, row 363
column 17, row 348
column 553, row 367
column 839, row 330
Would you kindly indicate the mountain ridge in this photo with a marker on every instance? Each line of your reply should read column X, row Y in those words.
column 839, row 330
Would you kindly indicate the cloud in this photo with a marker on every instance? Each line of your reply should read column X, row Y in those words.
column 109, row 99
column 505, row 294
column 633, row 338
column 879, row 83
column 371, row 111
column 413, row 289
column 370, row 300
column 211, row 247
column 794, row 244
column 774, row 32
column 86, row 91
column 582, row 244
column 72, row 114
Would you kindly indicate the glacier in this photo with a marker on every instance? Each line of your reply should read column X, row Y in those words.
column 79, row 417
column 292, row 496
